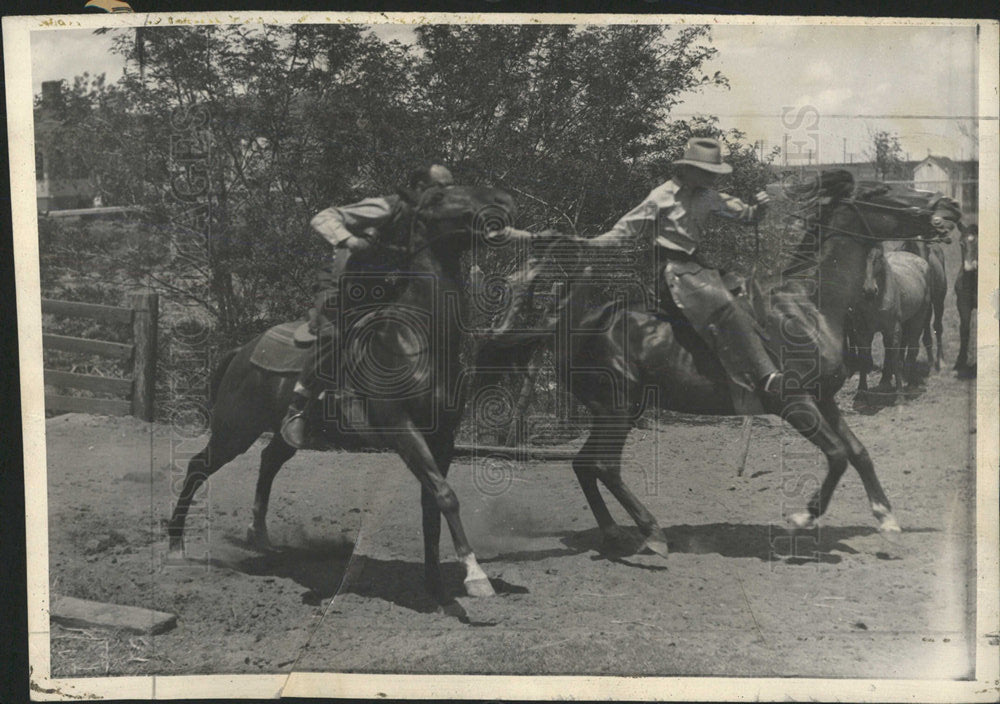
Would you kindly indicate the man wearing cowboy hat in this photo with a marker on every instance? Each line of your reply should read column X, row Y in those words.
column 350, row 229
column 673, row 216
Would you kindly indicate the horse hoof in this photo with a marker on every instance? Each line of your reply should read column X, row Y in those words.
column 259, row 540
column 656, row 543
column 802, row 520
column 658, row 547
column 889, row 526
column 479, row 588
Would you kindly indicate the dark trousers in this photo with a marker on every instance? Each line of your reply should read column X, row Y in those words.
column 324, row 319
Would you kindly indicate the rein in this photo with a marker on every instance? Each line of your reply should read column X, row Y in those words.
column 856, row 206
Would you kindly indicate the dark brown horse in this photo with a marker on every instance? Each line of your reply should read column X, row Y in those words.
column 406, row 396
column 897, row 304
column 617, row 357
column 966, row 293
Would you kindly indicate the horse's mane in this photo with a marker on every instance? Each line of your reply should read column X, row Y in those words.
column 814, row 197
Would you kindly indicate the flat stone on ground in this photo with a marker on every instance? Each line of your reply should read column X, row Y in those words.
column 81, row 613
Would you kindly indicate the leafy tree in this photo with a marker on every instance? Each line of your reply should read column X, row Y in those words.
column 886, row 155
column 575, row 121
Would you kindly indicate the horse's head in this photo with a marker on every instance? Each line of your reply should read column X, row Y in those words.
column 447, row 218
column 970, row 248
column 946, row 214
column 874, row 273
column 879, row 213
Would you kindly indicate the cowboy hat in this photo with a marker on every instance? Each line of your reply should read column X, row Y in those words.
column 705, row 154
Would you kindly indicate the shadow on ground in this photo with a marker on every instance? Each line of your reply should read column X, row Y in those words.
column 328, row 568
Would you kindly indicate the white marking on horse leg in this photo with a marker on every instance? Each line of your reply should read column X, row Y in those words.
column 887, row 522
column 476, row 582
column 802, row 520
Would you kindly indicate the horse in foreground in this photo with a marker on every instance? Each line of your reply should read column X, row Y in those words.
column 614, row 358
column 401, row 387
column 966, row 293
column 896, row 302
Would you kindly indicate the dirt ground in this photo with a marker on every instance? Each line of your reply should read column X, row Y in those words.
column 738, row 596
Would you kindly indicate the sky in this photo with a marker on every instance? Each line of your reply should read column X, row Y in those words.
column 835, row 85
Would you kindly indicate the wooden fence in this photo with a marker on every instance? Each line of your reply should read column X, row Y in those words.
column 139, row 389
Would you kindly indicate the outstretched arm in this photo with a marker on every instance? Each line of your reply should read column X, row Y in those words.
column 730, row 207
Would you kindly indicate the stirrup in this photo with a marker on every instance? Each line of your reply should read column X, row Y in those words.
column 293, row 429
column 772, row 385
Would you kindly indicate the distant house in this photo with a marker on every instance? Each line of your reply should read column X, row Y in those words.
column 60, row 183
column 955, row 179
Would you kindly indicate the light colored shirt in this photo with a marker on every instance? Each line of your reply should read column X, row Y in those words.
column 338, row 224
column 674, row 216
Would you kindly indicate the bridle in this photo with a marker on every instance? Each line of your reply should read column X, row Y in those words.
column 858, row 205
column 417, row 220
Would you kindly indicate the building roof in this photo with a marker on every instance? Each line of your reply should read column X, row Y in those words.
column 951, row 166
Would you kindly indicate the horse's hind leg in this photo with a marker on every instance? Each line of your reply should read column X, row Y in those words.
column 929, row 345
column 272, row 458
column 965, row 308
column 911, row 348
column 587, row 469
column 858, row 455
column 938, row 329
column 222, row 448
column 605, row 444
column 442, row 448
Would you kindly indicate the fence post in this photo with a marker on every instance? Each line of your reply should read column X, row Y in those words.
column 144, row 322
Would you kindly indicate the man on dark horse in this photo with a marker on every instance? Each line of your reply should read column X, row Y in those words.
column 673, row 217
column 351, row 229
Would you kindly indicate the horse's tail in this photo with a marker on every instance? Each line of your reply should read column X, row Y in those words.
column 215, row 381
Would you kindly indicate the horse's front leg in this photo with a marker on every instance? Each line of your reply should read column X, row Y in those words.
column 890, row 382
column 859, row 457
column 865, row 365
column 964, row 325
column 413, row 448
column 804, row 415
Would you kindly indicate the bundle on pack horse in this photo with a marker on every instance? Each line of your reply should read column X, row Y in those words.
column 966, row 292
column 612, row 356
column 897, row 304
column 400, row 387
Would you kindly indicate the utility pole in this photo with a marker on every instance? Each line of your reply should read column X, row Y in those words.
column 784, row 149
column 845, row 150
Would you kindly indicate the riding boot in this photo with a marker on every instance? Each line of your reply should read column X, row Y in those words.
column 737, row 343
column 309, row 384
